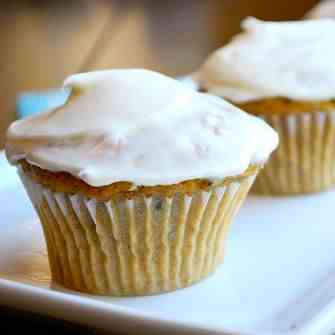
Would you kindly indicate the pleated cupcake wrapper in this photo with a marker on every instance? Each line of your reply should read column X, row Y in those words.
column 305, row 159
column 139, row 246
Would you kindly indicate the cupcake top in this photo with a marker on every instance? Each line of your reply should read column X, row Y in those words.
column 142, row 127
column 293, row 60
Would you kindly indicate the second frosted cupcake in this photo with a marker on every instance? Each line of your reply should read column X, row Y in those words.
column 283, row 72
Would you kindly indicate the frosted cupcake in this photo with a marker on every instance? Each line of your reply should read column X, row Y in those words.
column 284, row 73
column 136, row 180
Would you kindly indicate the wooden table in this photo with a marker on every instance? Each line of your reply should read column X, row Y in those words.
column 14, row 321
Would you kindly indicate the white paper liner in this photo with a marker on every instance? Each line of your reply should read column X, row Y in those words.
column 135, row 247
column 305, row 159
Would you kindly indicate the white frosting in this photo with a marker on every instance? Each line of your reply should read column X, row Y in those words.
column 142, row 127
column 274, row 59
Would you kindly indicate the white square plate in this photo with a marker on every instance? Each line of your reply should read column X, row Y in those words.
column 278, row 276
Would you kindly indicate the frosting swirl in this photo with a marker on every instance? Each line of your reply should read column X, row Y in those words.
column 274, row 59
column 143, row 127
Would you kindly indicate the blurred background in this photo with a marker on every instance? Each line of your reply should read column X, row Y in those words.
column 42, row 42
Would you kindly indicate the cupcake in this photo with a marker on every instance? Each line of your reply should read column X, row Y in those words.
column 284, row 73
column 136, row 180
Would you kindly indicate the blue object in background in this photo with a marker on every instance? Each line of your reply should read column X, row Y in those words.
column 33, row 102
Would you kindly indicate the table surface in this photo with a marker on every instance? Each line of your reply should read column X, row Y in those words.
column 12, row 322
